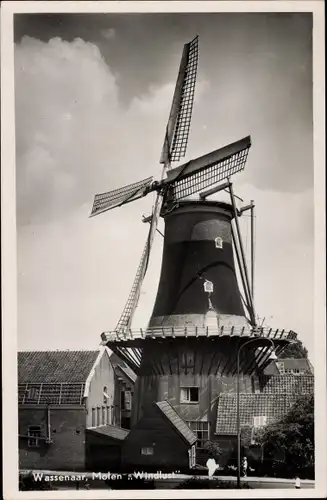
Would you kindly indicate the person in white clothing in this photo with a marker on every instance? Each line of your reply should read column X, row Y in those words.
column 245, row 466
column 212, row 466
column 297, row 483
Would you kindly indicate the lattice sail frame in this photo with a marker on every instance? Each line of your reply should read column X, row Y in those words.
column 179, row 122
column 125, row 319
column 212, row 175
column 117, row 197
column 208, row 170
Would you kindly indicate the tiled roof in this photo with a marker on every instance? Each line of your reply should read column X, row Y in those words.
column 41, row 367
column 273, row 406
column 179, row 424
column 293, row 384
column 110, row 431
column 119, row 363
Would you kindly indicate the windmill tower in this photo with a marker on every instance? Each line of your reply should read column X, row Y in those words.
column 187, row 355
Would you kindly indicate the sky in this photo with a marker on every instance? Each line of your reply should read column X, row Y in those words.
column 93, row 94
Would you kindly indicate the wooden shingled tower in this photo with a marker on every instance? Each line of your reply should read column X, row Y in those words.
column 187, row 354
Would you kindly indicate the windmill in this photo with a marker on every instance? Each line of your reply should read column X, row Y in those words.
column 178, row 183
column 200, row 317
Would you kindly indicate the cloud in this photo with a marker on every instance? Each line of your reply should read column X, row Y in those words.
column 74, row 138
column 65, row 95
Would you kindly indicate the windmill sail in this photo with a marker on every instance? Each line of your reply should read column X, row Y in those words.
column 175, row 144
column 178, row 126
column 126, row 317
column 207, row 170
column 117, row 197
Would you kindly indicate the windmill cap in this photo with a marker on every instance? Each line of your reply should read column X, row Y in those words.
column 185, row 206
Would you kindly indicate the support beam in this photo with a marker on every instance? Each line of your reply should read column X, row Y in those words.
column 236, row 196
column 208, row 192
column 149, row 219
column 169, row 363
column 213, row 358
column 239, row 262
column 245, row 270
column 194, row 365
column 121, row 354
column 252, row 250
column 246, row 207
column 222, row 353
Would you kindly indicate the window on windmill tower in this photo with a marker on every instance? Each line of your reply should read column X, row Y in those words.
column 219, row 242
column 208, row 286
column 189, row 395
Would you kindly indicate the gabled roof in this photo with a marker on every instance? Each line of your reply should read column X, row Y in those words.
column 272, row 406
column 179, row 424
column 38, row 367
column 296, row 364
column 110, row 431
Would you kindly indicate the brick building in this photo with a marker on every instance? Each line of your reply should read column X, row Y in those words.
column 70, row 409
column 272, row 399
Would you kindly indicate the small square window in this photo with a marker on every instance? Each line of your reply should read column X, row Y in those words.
column 147, row 450
column 219, row 242
column 208, row 286
column 189, row 395
column 34, row 432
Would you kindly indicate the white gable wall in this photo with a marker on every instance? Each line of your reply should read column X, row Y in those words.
column 100, row 409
